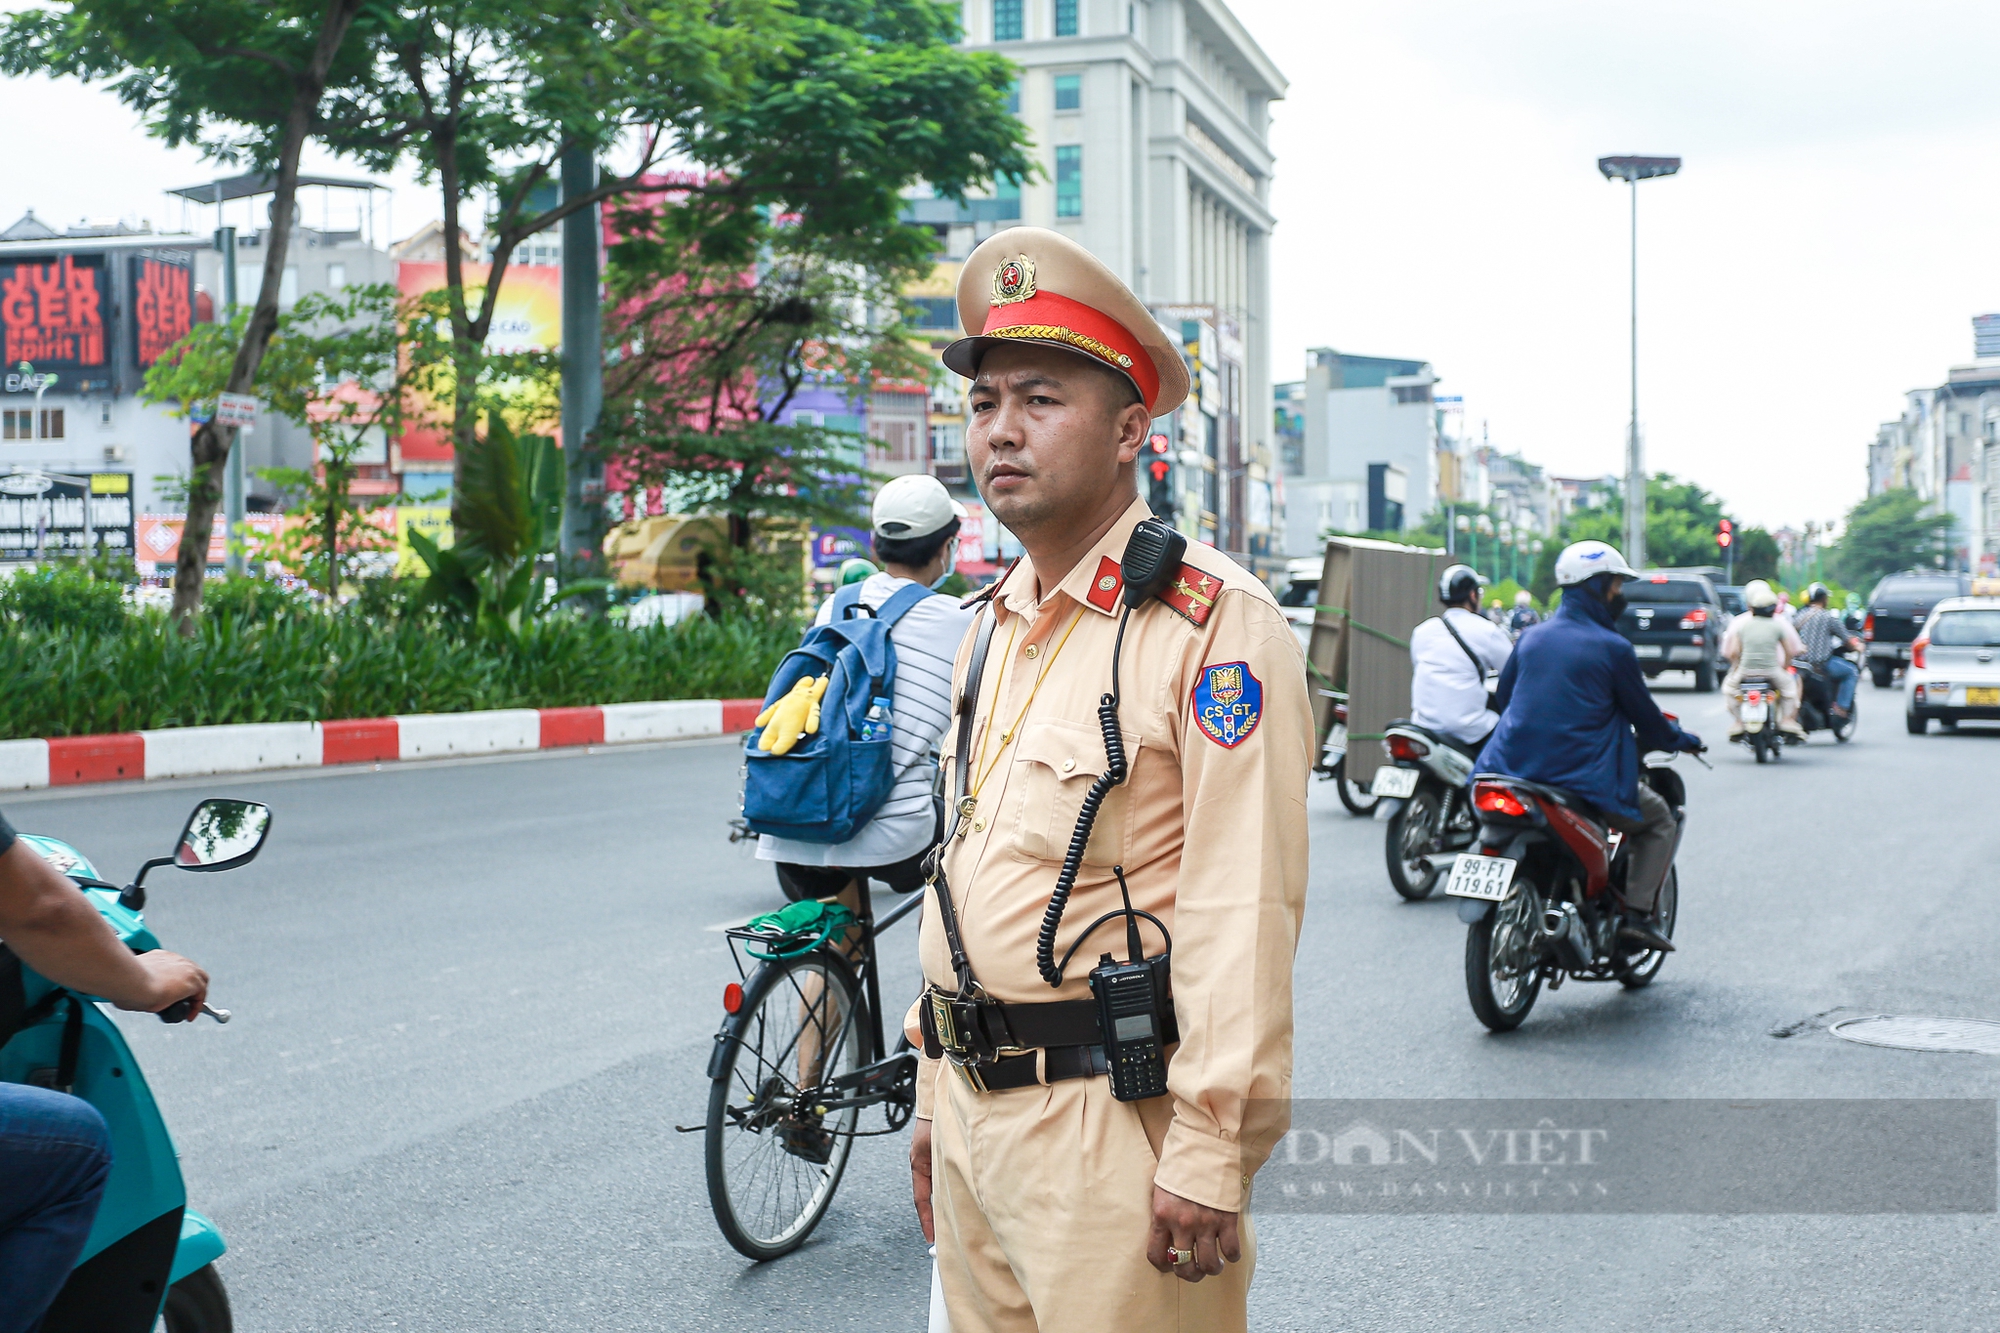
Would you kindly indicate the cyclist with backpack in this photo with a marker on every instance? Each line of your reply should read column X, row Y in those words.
column 821, row 852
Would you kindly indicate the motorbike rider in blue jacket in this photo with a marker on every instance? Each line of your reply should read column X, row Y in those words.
column 1576, row 714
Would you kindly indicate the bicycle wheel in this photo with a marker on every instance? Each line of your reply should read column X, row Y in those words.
column 774, row 1154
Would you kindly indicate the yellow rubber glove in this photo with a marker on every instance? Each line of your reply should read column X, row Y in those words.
column 794, row 715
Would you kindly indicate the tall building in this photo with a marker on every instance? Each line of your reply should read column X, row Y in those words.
column 1369, row 455
column 1946, row 447
column 1150, row 121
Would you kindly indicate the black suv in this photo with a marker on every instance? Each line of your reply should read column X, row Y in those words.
column 1897, row 609
column 1675, row 623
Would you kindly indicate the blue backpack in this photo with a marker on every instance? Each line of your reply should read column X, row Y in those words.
column 834, row 780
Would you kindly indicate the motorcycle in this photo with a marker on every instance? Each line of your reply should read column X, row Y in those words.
column 1816, row 695
column 1761, row 701
column 1540, row 896
column 150, row 1259
column 1429, row 814
column 1333, row 760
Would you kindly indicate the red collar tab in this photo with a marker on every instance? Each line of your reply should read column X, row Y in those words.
column 1192, row 594
column 1047, row 317
column 1105, row 585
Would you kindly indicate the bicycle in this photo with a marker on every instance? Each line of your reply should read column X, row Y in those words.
column 800, row 1054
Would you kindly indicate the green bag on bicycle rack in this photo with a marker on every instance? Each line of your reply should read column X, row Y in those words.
column 797, row 928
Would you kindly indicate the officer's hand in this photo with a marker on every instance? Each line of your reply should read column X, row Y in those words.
column 920, row 1177
column 1184, row 1224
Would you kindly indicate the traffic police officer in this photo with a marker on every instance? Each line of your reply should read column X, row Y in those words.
column 1053, row 1205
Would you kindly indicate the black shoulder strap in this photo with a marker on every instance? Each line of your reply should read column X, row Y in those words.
column 1478, row 667
column 968, row 704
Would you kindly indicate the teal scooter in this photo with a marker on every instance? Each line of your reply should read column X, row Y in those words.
column 150, row 1258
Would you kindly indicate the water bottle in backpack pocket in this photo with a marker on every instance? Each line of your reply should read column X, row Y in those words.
column 831, row 782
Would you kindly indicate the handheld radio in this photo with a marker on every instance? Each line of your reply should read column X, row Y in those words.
column 1134, row 1011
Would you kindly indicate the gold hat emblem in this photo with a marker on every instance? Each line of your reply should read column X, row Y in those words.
column 1014, row 281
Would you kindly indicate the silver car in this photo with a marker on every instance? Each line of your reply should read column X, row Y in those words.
column 1955, row 665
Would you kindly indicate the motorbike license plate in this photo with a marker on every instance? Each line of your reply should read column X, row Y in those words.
column 1982, row 696
column 1756, row 711
column 1646, row 649
column 1396, row 783
column 1484, row 877
column 1336, row 743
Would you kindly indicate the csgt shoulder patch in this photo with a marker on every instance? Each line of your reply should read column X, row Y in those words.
column 1192, row 594
column 1228, row 700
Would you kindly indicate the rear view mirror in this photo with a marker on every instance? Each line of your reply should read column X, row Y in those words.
column 222, row 834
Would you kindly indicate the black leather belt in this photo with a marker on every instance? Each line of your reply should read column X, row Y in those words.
column 1049, row 1065
column 995, row 1045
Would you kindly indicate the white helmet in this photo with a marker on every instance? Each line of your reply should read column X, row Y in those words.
column 1581, row 560
column 1758, row 593
column 1524, row 598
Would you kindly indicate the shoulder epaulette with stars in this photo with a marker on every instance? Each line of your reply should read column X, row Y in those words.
column 1192, row 594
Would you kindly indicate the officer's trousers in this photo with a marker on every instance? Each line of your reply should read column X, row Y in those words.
column 1043, row 1199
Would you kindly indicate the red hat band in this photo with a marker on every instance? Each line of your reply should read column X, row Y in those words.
column 1047, row 317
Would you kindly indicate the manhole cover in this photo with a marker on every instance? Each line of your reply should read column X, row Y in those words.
column 1971, row 1036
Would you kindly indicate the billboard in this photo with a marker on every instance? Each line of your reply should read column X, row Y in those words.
column 162, row 303
column 55, row 315
column 529, row 316
column 41, row 515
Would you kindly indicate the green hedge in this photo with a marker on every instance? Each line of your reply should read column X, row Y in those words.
column 305, row 665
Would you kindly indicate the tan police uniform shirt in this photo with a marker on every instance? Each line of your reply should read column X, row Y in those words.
column 1210, row 828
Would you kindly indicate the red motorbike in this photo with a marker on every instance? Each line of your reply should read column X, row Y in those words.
column 1539, row 894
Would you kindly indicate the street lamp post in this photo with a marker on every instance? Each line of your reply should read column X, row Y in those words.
column 1632, row 170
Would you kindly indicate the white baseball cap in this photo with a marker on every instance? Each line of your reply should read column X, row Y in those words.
column 913, row 506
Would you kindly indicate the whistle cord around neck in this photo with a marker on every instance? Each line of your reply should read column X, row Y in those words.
column 1115, row 771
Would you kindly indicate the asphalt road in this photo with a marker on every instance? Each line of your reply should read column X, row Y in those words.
column 473, row 999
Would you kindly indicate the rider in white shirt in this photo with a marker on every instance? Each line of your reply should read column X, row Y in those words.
column 1451, row 656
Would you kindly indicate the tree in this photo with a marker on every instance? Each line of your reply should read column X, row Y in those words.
column 486, row 96
column 345, row 366
column 242, row 83
column 1756, row 556
column 822, row 110
column 1888, row 532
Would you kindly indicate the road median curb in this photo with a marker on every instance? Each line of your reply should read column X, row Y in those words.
column 181, row 752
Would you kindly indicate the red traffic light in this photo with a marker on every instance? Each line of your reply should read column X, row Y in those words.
column 1723, row 539
column 1159, row 468
column 1724, row 532
column 1160, row 444
column 1727, row 526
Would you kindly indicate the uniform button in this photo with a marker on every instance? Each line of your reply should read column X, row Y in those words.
column 1034, row 651
column 979, row 824
column 1068, row 764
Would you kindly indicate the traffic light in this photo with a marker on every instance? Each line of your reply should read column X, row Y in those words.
column 1159, row 496
column 1724, row 534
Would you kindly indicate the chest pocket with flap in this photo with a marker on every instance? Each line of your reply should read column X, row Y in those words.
column 1054, row 766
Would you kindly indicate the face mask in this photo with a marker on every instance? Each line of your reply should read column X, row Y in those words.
column 1617, row 605
column 950, row 567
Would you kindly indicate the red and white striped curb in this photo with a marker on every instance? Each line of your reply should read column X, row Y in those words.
column 186, row 752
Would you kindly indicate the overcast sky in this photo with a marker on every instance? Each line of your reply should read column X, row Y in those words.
column 1823, row 249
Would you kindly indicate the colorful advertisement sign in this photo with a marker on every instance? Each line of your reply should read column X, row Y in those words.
column 529, row 316
column 41, row 516
column 54, row 315
column 434, row 521
column 162, row 303
column 832, row 546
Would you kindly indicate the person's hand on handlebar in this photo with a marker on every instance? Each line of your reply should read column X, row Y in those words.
column 171, row 979
column 1691, row 743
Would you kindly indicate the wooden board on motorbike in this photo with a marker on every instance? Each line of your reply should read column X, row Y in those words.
column 1371, row 595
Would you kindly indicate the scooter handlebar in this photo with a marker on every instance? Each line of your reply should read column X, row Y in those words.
column 177, row 1012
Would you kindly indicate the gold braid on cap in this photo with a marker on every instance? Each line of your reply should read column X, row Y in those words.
column 1057, row 333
